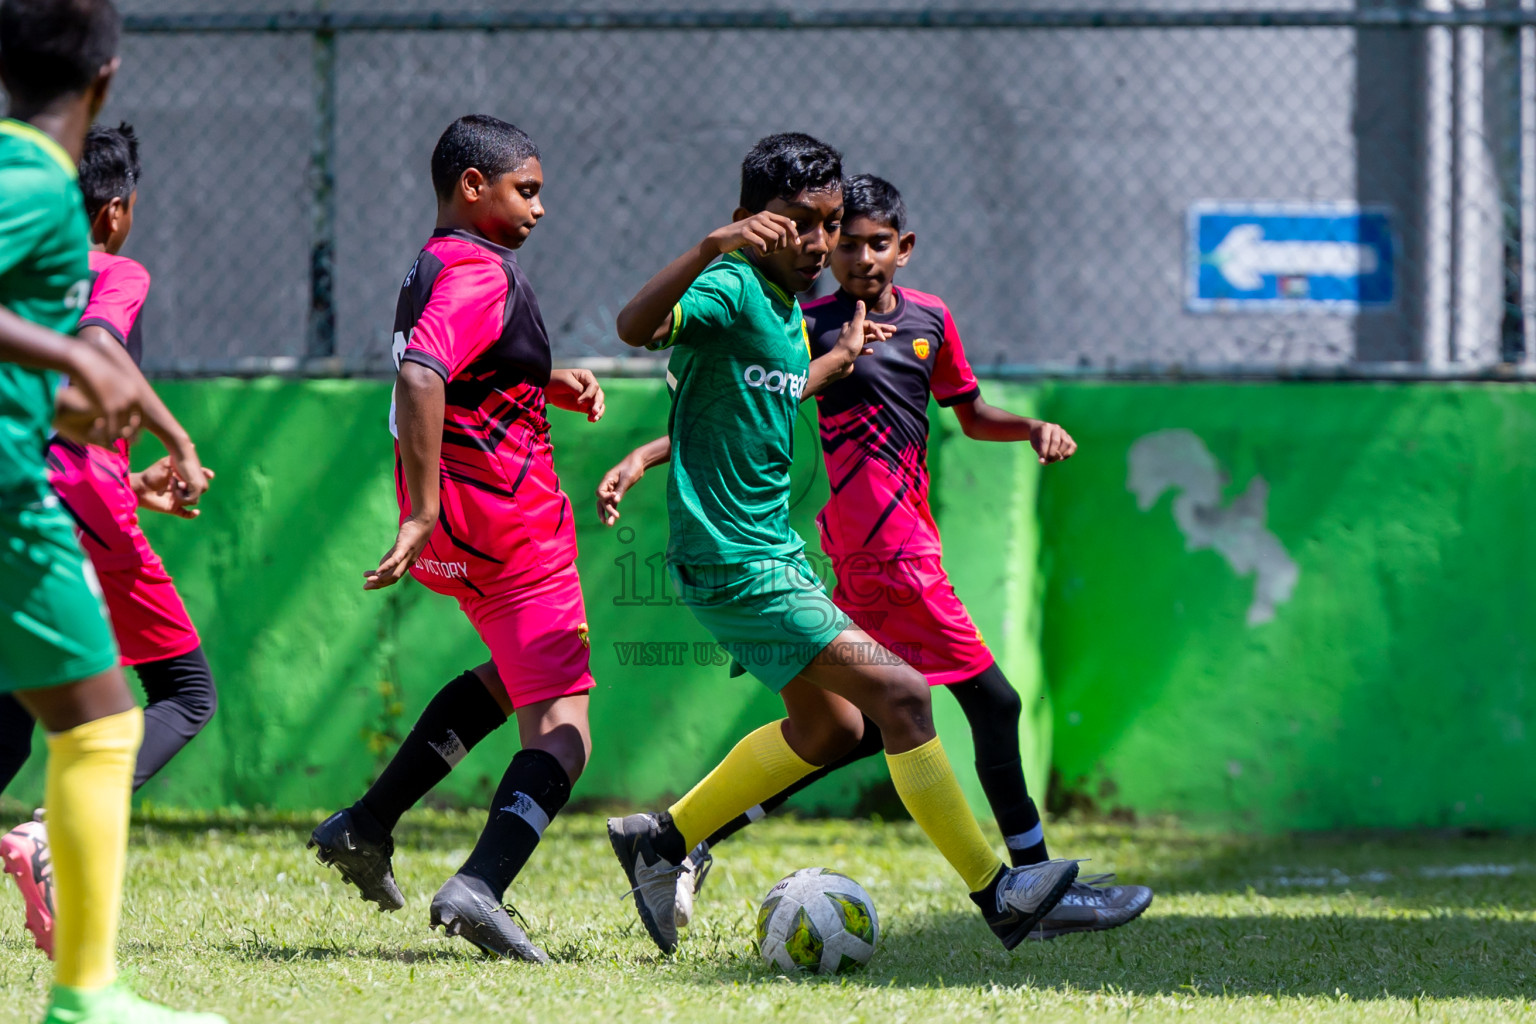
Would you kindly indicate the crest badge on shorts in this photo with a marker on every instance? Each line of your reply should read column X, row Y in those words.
column 920, row 346
column 584, row 635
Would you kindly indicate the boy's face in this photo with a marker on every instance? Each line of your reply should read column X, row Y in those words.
column 818, row 218
column 867, row 256
column 507, row 209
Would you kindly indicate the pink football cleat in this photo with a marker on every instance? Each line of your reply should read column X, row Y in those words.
column 24, row 853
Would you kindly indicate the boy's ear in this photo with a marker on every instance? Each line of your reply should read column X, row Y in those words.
column 742, row 213
column 471, row 184
column 105, row 221
column 904, row 246
column 102, row 84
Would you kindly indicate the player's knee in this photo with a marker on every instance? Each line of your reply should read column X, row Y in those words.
column 908, row 705
column 202, row 703
column 1006, row 705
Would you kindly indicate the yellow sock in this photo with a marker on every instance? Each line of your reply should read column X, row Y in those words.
column 757, row 768
column 928, row 787
column 90, row 780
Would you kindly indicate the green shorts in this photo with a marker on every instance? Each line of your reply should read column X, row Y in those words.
column 53, row 626
column 773, row 616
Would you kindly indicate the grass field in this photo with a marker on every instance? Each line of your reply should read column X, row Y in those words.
column 232, row 914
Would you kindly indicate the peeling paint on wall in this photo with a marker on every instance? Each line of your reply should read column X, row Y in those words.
column 1178, row 460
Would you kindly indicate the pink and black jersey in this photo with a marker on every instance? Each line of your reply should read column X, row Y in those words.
column 92, row 482
column 467, row 313
column 874, row 425
column 118, row 289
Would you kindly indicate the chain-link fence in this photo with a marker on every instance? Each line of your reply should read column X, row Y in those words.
column 1129, row 189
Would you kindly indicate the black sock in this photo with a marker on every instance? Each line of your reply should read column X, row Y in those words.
column 461, row 715
column 986, row 898
column 180, row 700
column 669, row 842
column 15, row 738
column 869, row 745
column 531, row 793
column 992, row 707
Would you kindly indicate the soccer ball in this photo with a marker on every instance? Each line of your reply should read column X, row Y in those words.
column 817, row 921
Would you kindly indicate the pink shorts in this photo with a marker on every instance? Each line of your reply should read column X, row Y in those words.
column 538, row 637
column 148, row 618
column 909, row 606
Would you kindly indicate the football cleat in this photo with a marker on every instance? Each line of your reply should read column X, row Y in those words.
column 24, row 854
column 690, row 879
column 115, row 1005
column 1094, row 904
column 460, row 909
column 652, row 878
column 362, row 862
column 1024, row 895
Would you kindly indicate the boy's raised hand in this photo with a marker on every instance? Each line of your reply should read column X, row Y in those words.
column 576, row 390
column 765, row 232
column 1051, row 442
column 859, row 335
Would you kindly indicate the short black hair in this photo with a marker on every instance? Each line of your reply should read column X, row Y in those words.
column 865, row 195
column 52, row 48
column 109, row 166
column 488, row 144
column 784, row 165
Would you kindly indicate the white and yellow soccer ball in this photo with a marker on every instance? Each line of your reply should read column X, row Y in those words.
column 817, row 921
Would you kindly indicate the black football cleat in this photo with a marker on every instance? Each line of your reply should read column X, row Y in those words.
column 461, row 908
column 362, row 862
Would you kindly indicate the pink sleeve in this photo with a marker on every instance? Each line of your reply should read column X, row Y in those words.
column 953, row 381
column 116, row 298
column 464, row 316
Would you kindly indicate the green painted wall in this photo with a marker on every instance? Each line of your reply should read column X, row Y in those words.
column 318, row 680
column 1390, row 681
column 1396, row 687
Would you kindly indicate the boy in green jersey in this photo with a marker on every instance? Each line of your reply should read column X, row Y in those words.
column 57, row 58
column 739, row 367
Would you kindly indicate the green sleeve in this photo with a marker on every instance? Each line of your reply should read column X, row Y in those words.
column 708, row 308
column 29, row 212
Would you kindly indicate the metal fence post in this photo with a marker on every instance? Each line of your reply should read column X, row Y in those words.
column 322, row 189
column 1527, row 101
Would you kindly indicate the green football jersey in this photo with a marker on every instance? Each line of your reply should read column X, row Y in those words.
column 45, row 242
column 740, row 357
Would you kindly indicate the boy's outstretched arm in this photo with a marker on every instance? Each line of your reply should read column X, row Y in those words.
column 191, row 480
column 985, row 422
column 113, row 400
column 419, row 401
column 648, row 316
column 622, row 477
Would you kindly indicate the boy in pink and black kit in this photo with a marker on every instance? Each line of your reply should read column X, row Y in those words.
column 482, row 520
column 103, row 496
column 878, row 529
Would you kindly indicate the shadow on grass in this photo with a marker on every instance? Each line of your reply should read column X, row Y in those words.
column 260, row 950
column 1449, row 956
column 421, row 830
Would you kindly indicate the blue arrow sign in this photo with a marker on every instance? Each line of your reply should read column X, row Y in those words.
column 1290, row 257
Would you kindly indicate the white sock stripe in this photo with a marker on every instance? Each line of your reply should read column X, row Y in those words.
column 526, row 808
column 452, row 748
column 756, row 813
column 1024, row 840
